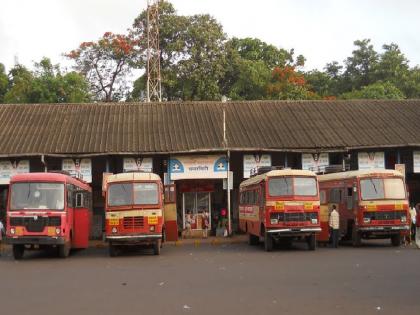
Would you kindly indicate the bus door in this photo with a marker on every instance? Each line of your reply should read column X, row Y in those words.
column 170, row 214
column 348, row 206
column 81, row 220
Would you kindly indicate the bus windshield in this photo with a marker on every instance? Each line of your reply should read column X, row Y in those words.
column 382, row 188
column 37, row 196
column 292, row 186
column 127, row 194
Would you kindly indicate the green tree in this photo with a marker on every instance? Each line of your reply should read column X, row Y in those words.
column 360, row 67
column 4, row 82
column 192, row 54
column 378, row 90
column 249, row 63
column 46, row 84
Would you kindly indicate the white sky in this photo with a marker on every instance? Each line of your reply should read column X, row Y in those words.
column 321, row 30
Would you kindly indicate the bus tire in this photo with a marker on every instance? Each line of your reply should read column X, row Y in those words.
column 396, row 240
column 18, row 251
column 268, row 242
column 156, row 247
column 356, row 237
column 253, row 240
column 64, row 250
column 311, row 240
column 113, row 250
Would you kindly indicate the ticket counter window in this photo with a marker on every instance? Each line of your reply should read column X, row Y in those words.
column 195, row 204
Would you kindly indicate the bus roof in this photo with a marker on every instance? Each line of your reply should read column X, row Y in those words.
column 275, row 173
column 49, row 177
column 133, row 176
column 358, row 174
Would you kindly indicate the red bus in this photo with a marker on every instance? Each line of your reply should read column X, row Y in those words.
column 371, row 203
column 280, row 205
column 134, row 211
column 48, row 210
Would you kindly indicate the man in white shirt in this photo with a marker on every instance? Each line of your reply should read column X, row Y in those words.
column 334, row 226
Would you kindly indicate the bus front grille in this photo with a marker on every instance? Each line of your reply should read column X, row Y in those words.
column 294, row 216
column 133, row 222
column 384, row 215
column 35, row 223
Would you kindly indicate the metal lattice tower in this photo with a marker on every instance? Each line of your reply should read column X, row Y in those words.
column 154, row 89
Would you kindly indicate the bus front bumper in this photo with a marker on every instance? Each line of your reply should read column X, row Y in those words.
column 35, row 240
column 133, row 239
column 295, row 230
column 384, row 228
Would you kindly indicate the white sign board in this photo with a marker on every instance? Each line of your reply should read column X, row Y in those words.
column 79, row 166
column 416, row 161
column 138, row 164
column 315, row 161
column 370, row 160
column 198, row 166
column 8, row 169
column 253, row 161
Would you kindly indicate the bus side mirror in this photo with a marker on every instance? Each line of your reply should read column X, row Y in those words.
column 79, row 200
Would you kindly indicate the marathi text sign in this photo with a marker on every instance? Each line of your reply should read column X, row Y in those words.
column 198, row 166
column 138, row 164
column 79, row 166
column 370, row 160
column 315, row 161
column 416, row 161
column 253, row 161
column 9, row 168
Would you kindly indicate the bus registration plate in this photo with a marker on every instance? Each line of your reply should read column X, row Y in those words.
column 152, row 220
column 114, row 221
column 279, row 205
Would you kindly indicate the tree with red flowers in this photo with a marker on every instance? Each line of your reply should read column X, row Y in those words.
column 288, row 84
column 107, row 63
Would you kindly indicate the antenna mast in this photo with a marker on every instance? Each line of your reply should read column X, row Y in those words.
column 154, row 89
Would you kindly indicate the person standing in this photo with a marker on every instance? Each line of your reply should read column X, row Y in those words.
column 413, row 215
column 334, row 224
column 1, row 236
column 418, row 225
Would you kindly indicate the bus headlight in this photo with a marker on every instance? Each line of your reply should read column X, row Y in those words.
column 114, row 230
column 274, row 221
column 152, row 228
column 403, row 218
column 314, row 221
column 57, row 231
column 12, row 231
column 366, row 220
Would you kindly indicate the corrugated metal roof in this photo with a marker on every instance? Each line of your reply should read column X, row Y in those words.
column 140, row 128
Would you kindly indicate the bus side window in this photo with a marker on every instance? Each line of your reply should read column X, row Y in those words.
column 70, row 195
column 323, row 197
column 349, row 198
column 79, row 199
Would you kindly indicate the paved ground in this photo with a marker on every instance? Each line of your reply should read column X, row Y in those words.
column 222, row 278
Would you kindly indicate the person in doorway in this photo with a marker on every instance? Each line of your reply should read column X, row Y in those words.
column 205, row 223
column 334, row 224
column 413, row 214
column 188, row 223
column 2, row 232
column 418, row 225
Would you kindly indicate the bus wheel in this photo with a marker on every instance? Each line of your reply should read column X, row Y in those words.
column 64, row 250
column 18, row 251
column 253, row 240
column 268, row 242
column 156, row 247
column 311, row 240
column 396, row 240
column 356, row 237
column 113, row 250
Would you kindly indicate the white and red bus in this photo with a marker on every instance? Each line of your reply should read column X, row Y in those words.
column 280, row 205
column 371, row 203
column 48, row 210
column 134, row 211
